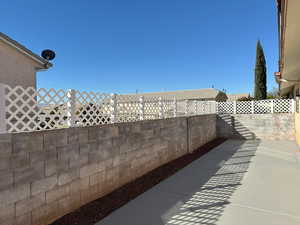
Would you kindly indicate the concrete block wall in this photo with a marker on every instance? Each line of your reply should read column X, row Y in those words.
column 257, row 126
column 201, row 131
column 47, row 174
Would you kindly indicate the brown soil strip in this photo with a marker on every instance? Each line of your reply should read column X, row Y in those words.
column 93, row 212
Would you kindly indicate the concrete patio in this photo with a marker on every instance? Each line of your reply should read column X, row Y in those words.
column 237, row 183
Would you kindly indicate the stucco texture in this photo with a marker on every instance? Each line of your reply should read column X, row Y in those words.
column 297, row 128
column 16, row 68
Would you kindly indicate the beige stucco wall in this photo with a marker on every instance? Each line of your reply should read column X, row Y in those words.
column 291, row 51
column 297, row 128
column 16, row 68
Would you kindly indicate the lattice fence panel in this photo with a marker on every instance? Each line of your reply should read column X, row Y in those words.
column 151, row 108
column 28, row 109
column 128, row 109
column 243, row 107
column 194, row 107
column 200, row 107
column 181, row 107
column 53, row 105
column 283, row 105
column 92, row 108
column 208, row 107
column 190, row 104
column 225, row 107
column 262, row 106
column 168, row 108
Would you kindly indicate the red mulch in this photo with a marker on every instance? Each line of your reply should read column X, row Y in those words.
column 94, row 211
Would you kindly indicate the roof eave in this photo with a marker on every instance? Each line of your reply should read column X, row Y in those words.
column 45, row 64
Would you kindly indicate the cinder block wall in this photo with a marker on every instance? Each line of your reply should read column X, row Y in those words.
column 257, row 126
column 47, row 174
column 201, row 130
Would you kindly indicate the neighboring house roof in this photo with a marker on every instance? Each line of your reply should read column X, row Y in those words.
column 43, row 62
column 234, row 97
column 204, row 94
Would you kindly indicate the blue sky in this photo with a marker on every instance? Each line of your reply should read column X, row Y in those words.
column 126, row 45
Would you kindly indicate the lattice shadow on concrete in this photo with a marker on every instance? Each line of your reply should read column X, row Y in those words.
column 205, row 206
column 232, row 128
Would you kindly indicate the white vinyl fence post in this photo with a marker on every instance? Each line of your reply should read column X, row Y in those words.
column 3, row 127
column 71, row 107
column 272, row 106
column 297, row 104
column 252, row 107
column 113, row 108
column 234, row 107
column 293, row 106
column 161, row 110
column 142, row 108
column 175, row 107
column 186, row 107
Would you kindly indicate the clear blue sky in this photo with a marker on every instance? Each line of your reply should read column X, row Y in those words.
column 150, row 45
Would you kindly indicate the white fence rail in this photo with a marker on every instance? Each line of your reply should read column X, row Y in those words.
column 28, row 109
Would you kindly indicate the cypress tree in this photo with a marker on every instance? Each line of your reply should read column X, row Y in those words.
column 260, row 90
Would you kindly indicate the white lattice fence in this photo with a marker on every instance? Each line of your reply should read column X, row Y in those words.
column 93, row 108
column 191, row 106
column 263, row 107
column 225, row 107
column 205, row 107
column 182, row 107
column 28, row 109
column 128, row 109
column 152, row 108
column 284, row 105
column 257, row 107
column 168, row 108
column 244, row 107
